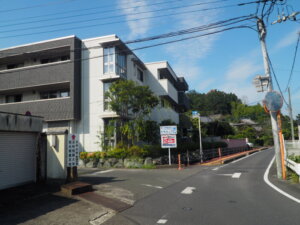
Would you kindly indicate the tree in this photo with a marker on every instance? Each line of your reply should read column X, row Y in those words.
column 213, row 102
column 133, row 103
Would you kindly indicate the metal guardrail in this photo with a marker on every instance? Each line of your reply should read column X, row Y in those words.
column 292, row 148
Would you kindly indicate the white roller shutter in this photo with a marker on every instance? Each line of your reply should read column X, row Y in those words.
column 17, row 158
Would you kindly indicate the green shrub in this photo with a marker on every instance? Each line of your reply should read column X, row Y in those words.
column 295, row 158
column 83, row 155
column 136, row 151
column 118, row 152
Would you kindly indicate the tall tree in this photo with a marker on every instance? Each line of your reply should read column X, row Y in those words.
column 133, row 103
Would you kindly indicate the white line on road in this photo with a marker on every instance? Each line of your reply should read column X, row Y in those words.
column 161, row 221
column 215, row 168
column 149, row 185
column 236, row 175
column 188, row 190
column 266, row 179
column 229, row 175
column 104, row 171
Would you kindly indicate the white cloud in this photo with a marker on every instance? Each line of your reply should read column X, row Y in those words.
column 138, row 27
column 288, row 39
column 242, row 69
column 205, row 84
column 186, row 54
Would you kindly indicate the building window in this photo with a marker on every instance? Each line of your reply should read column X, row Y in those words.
column 14, row 66
column 55, row 59
column 140, row 74
column 106, row 87
column 54, row 94
column 13, row 98
column 114, row 61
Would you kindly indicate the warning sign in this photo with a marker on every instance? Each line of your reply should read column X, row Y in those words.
column 168, row 141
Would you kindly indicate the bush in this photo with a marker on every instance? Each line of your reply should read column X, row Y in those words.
column 119, row 152
column 295, row 158
column 83, row 155
column 136, row 151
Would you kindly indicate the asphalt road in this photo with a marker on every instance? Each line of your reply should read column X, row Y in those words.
column 232, row 194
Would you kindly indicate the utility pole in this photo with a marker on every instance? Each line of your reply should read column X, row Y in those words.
column 262, row 37
column 291, row 115
column 200, row 140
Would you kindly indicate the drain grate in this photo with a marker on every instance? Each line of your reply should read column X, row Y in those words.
column 113, row 204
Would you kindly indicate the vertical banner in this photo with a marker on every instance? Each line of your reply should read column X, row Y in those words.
column 73, row 150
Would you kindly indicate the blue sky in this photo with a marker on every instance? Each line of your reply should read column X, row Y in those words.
column 227, row 61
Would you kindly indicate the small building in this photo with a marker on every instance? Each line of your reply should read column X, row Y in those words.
column 20, row 153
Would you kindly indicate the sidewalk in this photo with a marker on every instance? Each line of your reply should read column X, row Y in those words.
column 285, row 185
column 36, row 204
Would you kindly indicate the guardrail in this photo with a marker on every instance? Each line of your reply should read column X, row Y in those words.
column 290, row 148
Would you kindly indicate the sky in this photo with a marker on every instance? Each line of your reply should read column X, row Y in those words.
column 227, row 61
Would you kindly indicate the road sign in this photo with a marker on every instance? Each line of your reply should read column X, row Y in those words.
column 169, row 141
column 164, row 130
column 195, row 114
column 273, row 101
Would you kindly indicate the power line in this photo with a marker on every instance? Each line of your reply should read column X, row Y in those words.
column 36, row 6
column 113, row 17
column 115, row 22
column 103, row 11
column 214, row 25
column 294, row 60
column 271, row 65
column 144, row 47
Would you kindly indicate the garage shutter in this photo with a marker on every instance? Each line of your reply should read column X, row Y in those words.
column 17, row 158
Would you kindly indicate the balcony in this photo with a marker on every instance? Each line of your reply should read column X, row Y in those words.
column 167, row 89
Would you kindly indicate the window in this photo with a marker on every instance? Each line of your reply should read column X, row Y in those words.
column 109, row 59
column 13, row 98
column 14, row 66
column 106, row 99
column 55, row 59
column 54, row 94
column 114, row 61
column 140, row 74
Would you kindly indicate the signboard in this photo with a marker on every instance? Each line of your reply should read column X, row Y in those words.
column 195, row 114
column 169, row 141
column 273, row 101
column 72, row 150
column 164, row 130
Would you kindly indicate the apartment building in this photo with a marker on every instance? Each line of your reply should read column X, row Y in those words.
column 67, row 87
column 43, row 79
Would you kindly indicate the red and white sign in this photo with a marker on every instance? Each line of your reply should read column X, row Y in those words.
column 168, row 141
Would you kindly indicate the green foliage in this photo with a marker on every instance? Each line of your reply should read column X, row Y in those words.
column 136, row 152
column 150, row 133
column 256, row 112
column 128, row 99
column 119, row 152
column 218, row 128
column 83, row 155
column 292, row 176
column 214, row 102
column 295, row 158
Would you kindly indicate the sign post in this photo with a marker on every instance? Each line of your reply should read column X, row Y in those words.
column 168, row 138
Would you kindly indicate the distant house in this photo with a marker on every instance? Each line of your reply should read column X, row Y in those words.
column 247, row 122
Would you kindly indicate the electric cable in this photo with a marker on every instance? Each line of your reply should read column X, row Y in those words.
column 293, row 64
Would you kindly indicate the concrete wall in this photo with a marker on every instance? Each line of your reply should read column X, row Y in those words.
column 56, row 156
column 14, row 122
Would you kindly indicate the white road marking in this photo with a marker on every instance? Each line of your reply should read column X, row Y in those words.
column 229, row 175
column 104, row 171
column 188, row 190
column 215, row 168
column 149, row 185
column 266, row 179
column 161, row 221
column 236, row 175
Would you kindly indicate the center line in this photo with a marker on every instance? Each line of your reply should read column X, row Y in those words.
column 188, row 190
